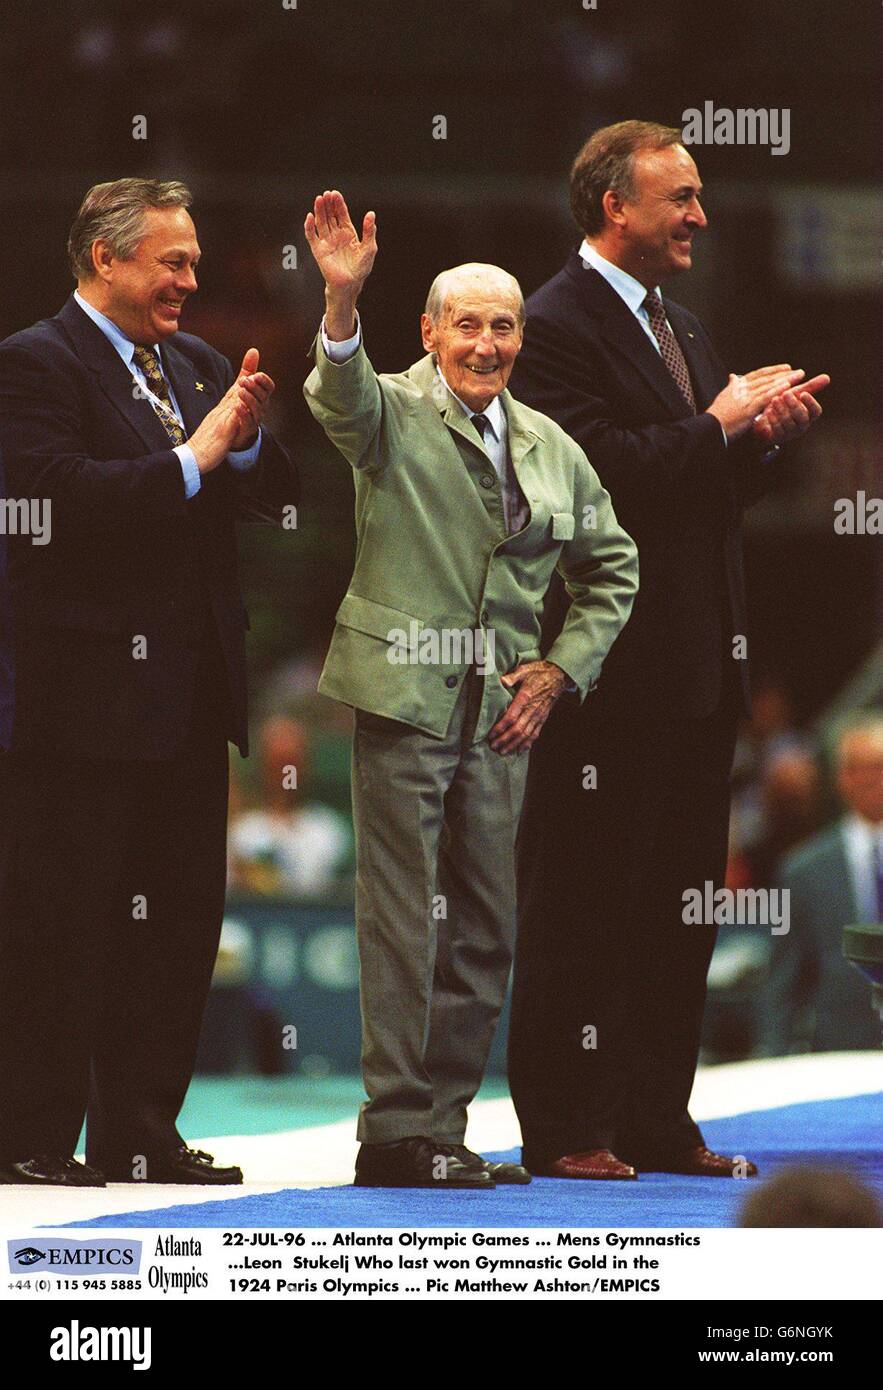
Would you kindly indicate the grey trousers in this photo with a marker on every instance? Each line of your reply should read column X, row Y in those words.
column 435, row 823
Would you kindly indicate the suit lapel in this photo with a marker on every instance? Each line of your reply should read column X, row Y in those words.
column 705, row 386
column 522, row 437
column 194, row 398
column 102, row 358
column 622, row 331
column 425, row 376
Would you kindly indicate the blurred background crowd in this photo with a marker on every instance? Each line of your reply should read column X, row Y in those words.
column 258, row 107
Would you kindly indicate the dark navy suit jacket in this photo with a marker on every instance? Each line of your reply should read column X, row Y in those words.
column 130, row 556
column 676, row 487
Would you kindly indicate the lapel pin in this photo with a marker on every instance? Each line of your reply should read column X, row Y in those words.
column 690, row 335
column 199, row 386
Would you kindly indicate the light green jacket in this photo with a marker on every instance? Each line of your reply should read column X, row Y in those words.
column 433, row 558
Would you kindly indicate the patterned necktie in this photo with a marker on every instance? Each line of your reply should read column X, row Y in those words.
column 669, row 347
column 149, row 363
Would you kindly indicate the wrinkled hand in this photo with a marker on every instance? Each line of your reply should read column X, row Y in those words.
column 539, row 685
column 253, row 391
column 791, row 412
column 344, row 260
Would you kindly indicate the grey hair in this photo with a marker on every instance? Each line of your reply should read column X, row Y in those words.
column 444, row 283
column 114, row 212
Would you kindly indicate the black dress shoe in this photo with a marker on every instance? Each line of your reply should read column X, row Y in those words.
column 182, row 1165
column 417, row 1162
column 49, row 1170
column 500, row 1172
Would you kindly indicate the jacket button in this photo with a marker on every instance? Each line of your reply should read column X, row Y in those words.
column 450, row 682
column 487, row 479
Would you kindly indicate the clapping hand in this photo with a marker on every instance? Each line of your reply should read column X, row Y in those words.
column 791, row 412
column 253, row 390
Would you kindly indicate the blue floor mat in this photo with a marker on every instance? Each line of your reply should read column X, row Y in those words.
column 833, row 1133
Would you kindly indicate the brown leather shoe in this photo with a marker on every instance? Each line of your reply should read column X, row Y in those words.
column 597, row 1163
column 702, row 1163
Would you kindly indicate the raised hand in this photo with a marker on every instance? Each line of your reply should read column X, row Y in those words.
column 344, row 260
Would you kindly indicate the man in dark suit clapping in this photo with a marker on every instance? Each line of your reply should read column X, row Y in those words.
column 138, row 446
column 628, row 797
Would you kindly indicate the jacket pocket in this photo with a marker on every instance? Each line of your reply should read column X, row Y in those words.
column 563, row 526
column 378, row 620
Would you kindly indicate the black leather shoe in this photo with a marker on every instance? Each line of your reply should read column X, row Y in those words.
column 500, row 1172
column 51, row 1171
column 182, row 1165
column 417, row 1162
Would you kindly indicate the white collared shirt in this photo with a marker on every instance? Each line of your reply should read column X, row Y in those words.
column 860, row 839
column 630, row 290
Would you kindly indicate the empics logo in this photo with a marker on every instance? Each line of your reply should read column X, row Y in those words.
column 59, row 1255
column 29, row 1255
column 76, row 1343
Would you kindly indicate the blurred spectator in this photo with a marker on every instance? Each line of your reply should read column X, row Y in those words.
column 770, row 738
column 815, row 1000
column 290, row 845
column 791, row 803
column 811, row 1197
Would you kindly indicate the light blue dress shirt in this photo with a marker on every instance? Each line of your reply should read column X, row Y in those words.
column 241, row 459
column 626, row 286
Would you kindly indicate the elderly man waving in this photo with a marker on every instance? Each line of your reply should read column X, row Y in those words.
column 466, row 501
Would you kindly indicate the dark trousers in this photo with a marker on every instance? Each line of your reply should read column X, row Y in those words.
column 609, row 982
column 112, row 878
